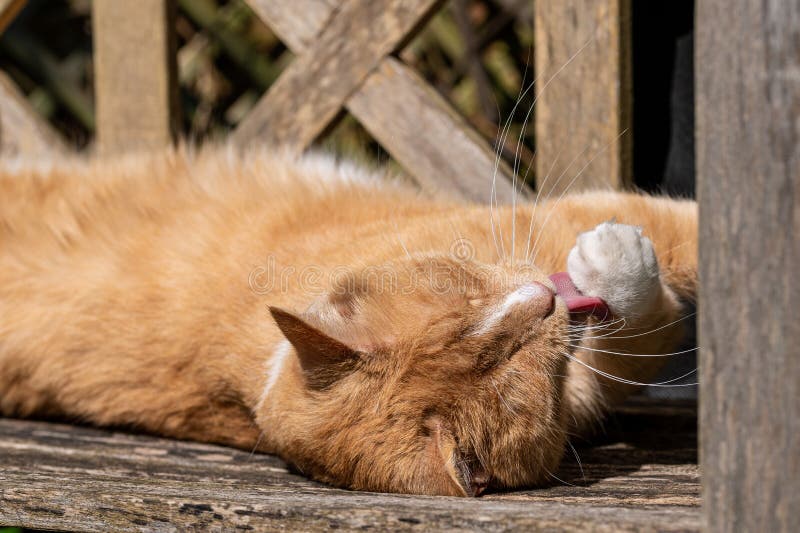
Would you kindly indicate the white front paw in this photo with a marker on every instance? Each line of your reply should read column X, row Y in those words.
column 617, row 263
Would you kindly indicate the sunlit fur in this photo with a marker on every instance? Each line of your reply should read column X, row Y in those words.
column 133, row 293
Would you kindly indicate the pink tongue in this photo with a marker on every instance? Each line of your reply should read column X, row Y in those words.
column 577, row 302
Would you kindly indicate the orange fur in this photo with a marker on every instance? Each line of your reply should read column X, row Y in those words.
column 146, row 293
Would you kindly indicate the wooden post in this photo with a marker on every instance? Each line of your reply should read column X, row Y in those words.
column 135, row 74
column 583, row 110
column 748, row 148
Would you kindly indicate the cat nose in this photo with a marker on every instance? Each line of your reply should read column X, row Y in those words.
column 536, row 298
column 533, row 300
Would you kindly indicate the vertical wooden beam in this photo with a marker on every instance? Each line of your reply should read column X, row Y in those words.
column 748, row 148
column 135, row 74
column 583, row 111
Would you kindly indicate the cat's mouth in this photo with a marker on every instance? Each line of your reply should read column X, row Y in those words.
column 579, row 305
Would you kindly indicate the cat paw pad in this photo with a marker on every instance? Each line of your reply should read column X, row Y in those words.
column 617, row 263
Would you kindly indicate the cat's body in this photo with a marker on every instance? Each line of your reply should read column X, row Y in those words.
column 138, row 294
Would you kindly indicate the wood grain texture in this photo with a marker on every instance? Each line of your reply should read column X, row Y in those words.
column 296, row 23
column 583, row 109
column 8, row 11
column 64, row 477
column 310, row 92
column 135, row 74
column 748, row 164
column 427, row 136
column 22, row 130
column 448, row 153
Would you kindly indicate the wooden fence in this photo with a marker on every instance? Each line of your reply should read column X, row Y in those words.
column 359, row 69
column 347, row 57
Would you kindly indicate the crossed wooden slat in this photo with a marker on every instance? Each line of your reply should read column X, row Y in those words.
column 22, row 130
column 345, row 60
column 311, row 91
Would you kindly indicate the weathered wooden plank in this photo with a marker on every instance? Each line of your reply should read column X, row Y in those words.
column 312, row 90
column 22, row 130
column 583, row 110
column 135, row 74
column 427, row 136
column 8, row 11
column 63, row 477
column 296, row 23
column 748, row 165
column 449, row 153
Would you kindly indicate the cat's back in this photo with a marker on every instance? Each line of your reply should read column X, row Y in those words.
column 70, row 202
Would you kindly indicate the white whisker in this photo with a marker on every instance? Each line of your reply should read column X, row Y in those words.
column 513, row 216
column 653, row 330
column 617, row 330
column 256, row 445
column 569, row 185
column 552, row 188
column 598, row 327
column 689, row 350
column 539, row 187
column 503, row 400
column 557, row 478
column 504, row 135
column 400, row 240
column 667, row 383
column 677, row 246
column 539, row 94
column 575, row 453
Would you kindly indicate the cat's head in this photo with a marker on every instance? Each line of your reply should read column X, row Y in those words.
column 431, row 376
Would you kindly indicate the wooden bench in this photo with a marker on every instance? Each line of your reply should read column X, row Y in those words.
column 641, row 475
column 645, row 475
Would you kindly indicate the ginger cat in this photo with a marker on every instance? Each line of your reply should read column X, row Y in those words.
column 375, row 338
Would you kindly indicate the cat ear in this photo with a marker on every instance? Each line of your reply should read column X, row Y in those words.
column 322, row 358
column 450, row 471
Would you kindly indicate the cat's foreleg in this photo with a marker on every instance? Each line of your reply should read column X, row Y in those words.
column 617, row 262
